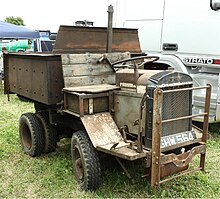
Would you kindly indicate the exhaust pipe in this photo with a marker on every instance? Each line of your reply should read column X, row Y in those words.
column 109, row 29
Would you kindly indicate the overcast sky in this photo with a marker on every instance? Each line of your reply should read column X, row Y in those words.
column 50, row 14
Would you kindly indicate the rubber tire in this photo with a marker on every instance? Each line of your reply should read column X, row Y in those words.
column 83, row 153
column 31, row 134
column 50, row 133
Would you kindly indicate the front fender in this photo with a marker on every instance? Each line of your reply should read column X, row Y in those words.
column 101, row 129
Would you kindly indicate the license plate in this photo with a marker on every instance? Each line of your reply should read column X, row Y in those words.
column 178, row 138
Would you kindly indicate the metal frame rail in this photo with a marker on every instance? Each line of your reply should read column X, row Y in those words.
column 182, row 160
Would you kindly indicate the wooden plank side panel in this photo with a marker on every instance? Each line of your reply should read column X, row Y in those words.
column 90, row 69
column 89, row 80
column 68, row 59
column 86, row 69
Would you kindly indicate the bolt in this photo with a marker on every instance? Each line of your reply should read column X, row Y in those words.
column 157, row 122
column 159, row 92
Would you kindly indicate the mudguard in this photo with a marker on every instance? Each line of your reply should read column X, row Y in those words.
column 101, row 129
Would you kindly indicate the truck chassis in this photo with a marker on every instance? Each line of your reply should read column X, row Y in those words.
column 108, row 102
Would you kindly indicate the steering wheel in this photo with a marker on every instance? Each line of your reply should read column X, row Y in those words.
column 134, row 65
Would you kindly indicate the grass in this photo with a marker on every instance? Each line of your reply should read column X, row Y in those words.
column 50, row 176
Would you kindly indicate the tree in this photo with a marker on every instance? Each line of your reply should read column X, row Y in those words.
column 15, row 20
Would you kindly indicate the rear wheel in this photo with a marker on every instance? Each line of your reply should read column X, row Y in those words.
column 50, row 133
column 31, row 134
column 85, row 161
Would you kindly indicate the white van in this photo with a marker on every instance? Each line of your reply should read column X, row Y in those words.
column 185, row 34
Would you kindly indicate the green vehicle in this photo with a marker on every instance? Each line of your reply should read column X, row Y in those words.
column 16, row 45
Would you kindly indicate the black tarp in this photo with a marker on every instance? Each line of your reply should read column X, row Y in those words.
column 11, row 31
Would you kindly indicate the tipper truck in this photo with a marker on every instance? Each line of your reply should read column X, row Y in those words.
column 107, row 103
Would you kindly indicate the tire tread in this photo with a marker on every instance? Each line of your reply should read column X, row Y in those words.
column 91, row 159
column 50, row 133
column 36, row 130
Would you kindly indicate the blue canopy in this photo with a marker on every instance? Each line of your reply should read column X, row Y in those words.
column 11, row 31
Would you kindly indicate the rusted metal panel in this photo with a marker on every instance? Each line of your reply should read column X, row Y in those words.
column 205, row 124
column 156, row 137
column 127, row 76
column 181, row 160
column 123, row 150
column 101, row 129
column 126, row 108
column 169, row 169
column 172, row 163
column 164, row 165
column 35, row 76
column 109, row 29
column 75, row 39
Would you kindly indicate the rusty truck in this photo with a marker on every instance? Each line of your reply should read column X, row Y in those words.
column 108, row 103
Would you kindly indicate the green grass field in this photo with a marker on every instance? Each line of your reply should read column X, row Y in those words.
column 50, row 176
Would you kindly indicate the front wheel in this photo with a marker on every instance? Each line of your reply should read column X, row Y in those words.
column 85, row 161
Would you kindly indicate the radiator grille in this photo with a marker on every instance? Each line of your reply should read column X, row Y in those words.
column 176, row 105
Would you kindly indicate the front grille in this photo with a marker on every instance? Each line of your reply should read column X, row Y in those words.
column 175, row 104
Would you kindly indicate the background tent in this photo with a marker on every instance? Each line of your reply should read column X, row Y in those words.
column 11, row 31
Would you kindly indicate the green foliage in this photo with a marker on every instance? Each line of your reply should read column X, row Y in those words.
column 15, row 20
column 214, row 129
column 50, row 175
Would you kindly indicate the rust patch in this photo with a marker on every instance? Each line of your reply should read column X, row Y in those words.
column 101, row 129
column 75, row 39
